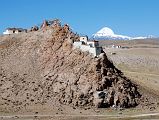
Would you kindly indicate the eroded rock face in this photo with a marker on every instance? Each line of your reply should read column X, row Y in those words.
column 44, row 24
column 42, row 68
column 80, row 77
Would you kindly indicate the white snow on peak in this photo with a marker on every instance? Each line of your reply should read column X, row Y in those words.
column 149, row 36
column 107, row 33
column 139, row 38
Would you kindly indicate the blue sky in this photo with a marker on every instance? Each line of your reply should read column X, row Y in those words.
column 126, row 17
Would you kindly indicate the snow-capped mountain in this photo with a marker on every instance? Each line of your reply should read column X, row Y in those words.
column 108, row 34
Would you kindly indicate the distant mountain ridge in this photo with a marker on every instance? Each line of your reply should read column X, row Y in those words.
column 108, row 34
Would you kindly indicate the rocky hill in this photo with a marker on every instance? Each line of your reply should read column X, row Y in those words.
column 40, row 67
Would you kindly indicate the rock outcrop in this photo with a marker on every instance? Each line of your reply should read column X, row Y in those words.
column 34, row 28
column 41, row 68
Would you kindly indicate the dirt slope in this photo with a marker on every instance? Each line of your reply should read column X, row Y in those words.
column 42, row 68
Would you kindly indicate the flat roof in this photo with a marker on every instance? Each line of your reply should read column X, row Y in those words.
column 16, row 29
column 92, row 41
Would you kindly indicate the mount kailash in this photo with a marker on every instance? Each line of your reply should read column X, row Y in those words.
column 108, row 34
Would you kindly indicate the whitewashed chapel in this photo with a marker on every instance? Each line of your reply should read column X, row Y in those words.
column 92, row 46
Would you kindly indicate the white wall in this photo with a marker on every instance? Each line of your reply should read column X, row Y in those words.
column 8, row 32
column 16, row 31
column 89, row 49
column 77, row 44
column 95, row 51
column 91, row 43
column 93, row 48
column 84, row 39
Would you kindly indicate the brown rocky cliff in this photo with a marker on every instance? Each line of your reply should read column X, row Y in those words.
column 41, row 67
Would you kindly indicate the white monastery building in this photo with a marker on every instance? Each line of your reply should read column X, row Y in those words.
column 88, row 45
column 14, row 30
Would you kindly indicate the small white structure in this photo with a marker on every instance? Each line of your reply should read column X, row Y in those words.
column 116, row 46
column 14, row 30
column 84, row 39
column 86, row 45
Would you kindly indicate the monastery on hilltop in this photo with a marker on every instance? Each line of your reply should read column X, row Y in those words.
column 92, row 46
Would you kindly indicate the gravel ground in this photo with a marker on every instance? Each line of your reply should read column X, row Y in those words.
column 143, row 60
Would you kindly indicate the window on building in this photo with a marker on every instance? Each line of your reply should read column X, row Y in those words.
column 90, row 45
